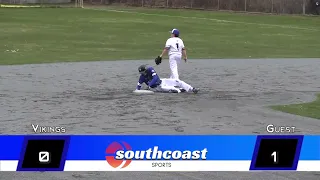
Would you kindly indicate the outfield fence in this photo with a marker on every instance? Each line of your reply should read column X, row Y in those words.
column 262, row 6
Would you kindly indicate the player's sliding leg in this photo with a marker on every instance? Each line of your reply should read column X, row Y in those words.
column 186, row 86
column 176, row 82
column 170, row 89
column 167, row 85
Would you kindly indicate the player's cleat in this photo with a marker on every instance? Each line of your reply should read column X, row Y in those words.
column 195, row 90
column 182, row 90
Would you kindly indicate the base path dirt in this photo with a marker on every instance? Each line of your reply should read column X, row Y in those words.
column 97, row 98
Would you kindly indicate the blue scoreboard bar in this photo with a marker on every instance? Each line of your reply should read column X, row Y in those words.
column 159, row 152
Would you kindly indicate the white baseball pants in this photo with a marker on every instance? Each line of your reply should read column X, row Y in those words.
column 174, row 60
column 172, row 84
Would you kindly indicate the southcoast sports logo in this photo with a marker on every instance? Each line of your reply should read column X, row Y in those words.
column 112, row 150
column 117, row 153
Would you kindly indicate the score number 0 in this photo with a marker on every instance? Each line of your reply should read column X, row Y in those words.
column 44, row 157
column 275, row 156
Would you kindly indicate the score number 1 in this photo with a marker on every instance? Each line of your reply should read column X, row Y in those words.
column 275, row 156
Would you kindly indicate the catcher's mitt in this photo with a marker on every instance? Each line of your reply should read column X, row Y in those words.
column 158, row 60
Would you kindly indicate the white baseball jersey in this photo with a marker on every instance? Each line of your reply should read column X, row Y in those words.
column 175, row 46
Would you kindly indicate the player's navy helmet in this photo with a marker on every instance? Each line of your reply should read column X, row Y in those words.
column 175, row 32
column 142, row 69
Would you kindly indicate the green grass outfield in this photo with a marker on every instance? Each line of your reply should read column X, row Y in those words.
column 311, row 109
column 42, row 35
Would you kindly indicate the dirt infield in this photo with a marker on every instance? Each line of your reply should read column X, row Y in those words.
column 96, row 98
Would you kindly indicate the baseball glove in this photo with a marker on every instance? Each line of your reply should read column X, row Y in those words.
column 158, row 60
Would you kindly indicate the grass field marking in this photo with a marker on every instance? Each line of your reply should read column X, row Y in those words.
column 210, row 19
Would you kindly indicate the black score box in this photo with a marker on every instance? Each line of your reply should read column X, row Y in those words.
column 276, row 152
column 43, row 153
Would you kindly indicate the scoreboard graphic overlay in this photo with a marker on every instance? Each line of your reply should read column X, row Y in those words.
column 160, row 153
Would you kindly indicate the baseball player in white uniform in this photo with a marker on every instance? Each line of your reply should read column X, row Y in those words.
column 176, row 49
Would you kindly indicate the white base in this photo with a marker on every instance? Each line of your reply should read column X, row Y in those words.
column 143, row 92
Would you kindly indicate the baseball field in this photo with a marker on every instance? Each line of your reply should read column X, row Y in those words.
column 248, row 66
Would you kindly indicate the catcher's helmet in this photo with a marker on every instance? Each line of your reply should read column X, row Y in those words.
column 142, row 69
